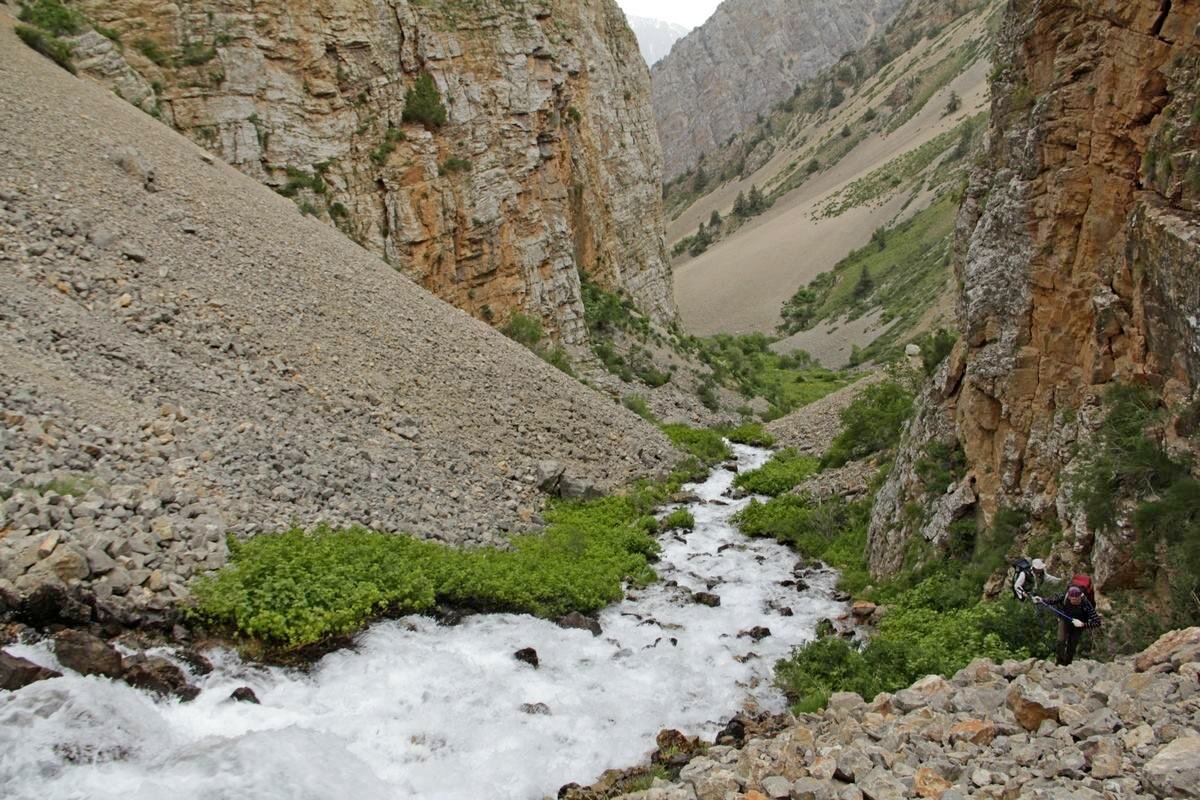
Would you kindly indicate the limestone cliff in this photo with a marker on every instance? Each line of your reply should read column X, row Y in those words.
column 749, row 55
column 1078, row 259
column 548, row 160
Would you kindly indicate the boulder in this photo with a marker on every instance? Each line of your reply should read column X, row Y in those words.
column 1167, row 645
column 1175, row 770
column 776, row 786
column 706, row 599
column 975, row 731
column 244, row 694
column 580, row 621
column 549, row 474
column 1031, row 704
column 88, row 655
column 927, row 691
column 929, row 783
column 881, row 784
column 535, row 709
column 159, row 676
column 1099, row 723
column 862, row 610
column 17, row 673
column 527, row 655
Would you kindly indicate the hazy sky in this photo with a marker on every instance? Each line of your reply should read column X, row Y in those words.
column 689, row 13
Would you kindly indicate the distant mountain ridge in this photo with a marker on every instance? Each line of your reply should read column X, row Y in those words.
column 749, row 55
column 655, row 36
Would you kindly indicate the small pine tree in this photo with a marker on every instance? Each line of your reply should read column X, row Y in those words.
column 836, row 96
column 701, row 179
column 715, row 220
column 423, row 103
column 865, row 284
column 739, row 205
column 757, row 203
column 953, row 104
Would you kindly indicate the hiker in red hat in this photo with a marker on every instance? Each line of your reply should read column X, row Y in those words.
column 1076, row 611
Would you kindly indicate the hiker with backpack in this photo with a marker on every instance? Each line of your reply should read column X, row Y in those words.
column 1029, row 577
column 1076, row 610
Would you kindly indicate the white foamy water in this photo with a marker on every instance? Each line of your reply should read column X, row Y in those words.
column 422, row 711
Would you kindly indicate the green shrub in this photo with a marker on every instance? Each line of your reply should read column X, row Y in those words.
column 52, row 17
column 196, row 53
column 51, row 47
column 557, row 357
column 935, row 347
column 940, row 465
column 381, row 154
column 150, row 49
column 423, row 103
column 708, row 446
column 679, row 518
column 638, row 405
column 524, row 329
column 707, row 392
column 871, row 424
column 785, row 470
column 454, row 164
column 297, row 588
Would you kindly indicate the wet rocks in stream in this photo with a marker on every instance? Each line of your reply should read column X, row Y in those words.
column 244, row 694
column 17, row 673
column 528, row 656
column 706, row 599
column 580, row 621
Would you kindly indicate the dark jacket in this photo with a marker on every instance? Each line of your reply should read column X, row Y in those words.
column 1085, row 612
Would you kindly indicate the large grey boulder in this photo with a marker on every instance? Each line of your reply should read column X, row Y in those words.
column 1175, row 770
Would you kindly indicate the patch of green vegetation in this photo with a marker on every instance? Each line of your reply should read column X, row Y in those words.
column 896, row 172
column 52, row 17
column 751, row 433
column 784, row 471
column 707, row 446
column 298, row 179
column 833, row 531
column 112, row 34
column 908, row 266
column 940, row 465
column 381, row 154
column 298, row 588
column 638, row 405
column 50, row 46
column 747, row 363
column 196, row 53
column 1126, row 463
column 679, row 519
column 872, row 423
column 150, row 49
column 527, row 330
column 935, row 346
column 423, row 103
column 454, row 164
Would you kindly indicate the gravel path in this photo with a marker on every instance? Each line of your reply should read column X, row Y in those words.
column 199, row 358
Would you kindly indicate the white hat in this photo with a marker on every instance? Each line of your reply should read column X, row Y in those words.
column 1039, row 564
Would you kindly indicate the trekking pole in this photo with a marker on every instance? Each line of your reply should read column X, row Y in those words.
column 1046, row 605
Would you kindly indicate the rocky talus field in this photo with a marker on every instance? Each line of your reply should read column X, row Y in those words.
column 184, row 355
column 1126, row 730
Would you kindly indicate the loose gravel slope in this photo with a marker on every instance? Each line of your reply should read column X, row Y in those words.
column 198, row 357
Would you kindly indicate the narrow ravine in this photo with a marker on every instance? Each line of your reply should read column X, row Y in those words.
column 422, row 710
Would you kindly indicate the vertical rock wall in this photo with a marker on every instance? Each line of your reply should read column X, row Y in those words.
column 549, row 160
column 1078, row 256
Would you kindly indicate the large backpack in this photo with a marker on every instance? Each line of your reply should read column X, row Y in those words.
column 1022, row 565
column 1084, row 582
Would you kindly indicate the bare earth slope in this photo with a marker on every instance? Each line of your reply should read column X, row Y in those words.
column 209, row 360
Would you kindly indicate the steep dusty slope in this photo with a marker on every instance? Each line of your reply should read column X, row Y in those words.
column 200, row 358
column 747, row 56
column 831, row 175
column 548, row 160
column 1078, row 256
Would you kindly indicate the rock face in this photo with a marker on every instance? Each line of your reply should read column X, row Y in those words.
column 255, row 371
column 547, row 164
column 1102, row 731
column 747, row 56
column 1077, row 253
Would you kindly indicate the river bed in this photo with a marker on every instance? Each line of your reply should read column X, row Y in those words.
column 418, row 710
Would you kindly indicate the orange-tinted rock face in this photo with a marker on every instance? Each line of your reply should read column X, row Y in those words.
column 1078, row 255
column 548, row 162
